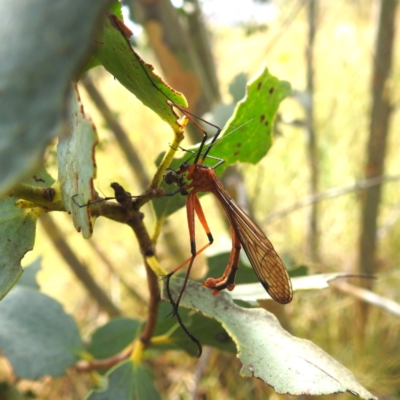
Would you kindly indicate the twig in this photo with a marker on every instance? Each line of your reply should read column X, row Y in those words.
column 87, row 366
column 134, row 218
column 334, row 192
column 368, row 297
column 154, row 302
column 46, row 198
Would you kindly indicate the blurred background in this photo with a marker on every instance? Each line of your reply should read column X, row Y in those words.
column 327, row 194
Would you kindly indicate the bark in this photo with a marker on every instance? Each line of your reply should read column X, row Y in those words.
column 376, row 150
column 379, row 127
column 313, row 237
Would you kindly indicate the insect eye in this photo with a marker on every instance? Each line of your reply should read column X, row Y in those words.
column 184, row 165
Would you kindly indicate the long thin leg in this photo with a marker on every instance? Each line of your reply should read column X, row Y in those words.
column 227, row 280
column 193, row 207
column 168, row 277
column 200, row 214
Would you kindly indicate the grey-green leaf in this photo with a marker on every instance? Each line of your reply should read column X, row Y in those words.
column 127, row 381
column 289, row 364
column 113, row 337
column 17, row 236
column 77, row 165
column 36, row 334
column 43, row 44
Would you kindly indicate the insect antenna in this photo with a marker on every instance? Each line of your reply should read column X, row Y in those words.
column 211, row 143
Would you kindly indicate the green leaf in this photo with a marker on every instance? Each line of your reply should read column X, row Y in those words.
column 116, row 8
column 301, row 270
column 77, row 165
column 288, row 364
column 44, row 45
column 247, row 136
column 117, row 56
column 17, row 236
column 17, row 232
column 127, row 381
column 36, row 335
column 113, row 337
column 207, row 330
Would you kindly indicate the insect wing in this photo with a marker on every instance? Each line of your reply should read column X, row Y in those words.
column 265, row 261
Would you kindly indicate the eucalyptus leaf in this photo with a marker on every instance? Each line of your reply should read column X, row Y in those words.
column 288, row 364
column 17, row 236
column 36, row 335
column 246, row 137
column 17, row 231
column 77, row 164
column 117, row 56
column 44, row 43
column 207, row 330
column 113, row 337
column 127, row 381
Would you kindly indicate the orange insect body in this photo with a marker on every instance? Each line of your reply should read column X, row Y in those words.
column 266, row 263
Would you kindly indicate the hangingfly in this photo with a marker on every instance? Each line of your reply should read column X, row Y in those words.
column 245, row 233
column 194, row 178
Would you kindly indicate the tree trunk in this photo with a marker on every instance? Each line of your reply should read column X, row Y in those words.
column 313, row 237
column 376, row 148
column 379, row 126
